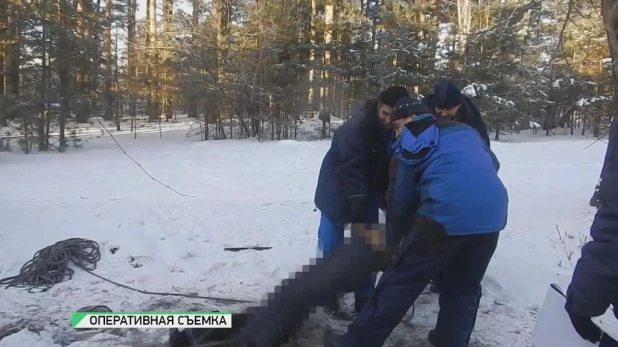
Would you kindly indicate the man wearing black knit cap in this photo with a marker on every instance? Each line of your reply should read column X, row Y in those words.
column 448, row 102
column 354, row 176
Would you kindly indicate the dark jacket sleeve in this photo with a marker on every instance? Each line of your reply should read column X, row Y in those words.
column 474, row 119
column 403, row 201
column 594, row 285
column 353, row 169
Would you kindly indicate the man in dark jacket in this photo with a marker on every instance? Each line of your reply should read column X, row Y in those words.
column 594, row 285
column 448, row 102
column 354, row 176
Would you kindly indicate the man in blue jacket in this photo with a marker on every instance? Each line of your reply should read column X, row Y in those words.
column 354, row 176
column 448, row 102
column 594, row 285
column 447, row 203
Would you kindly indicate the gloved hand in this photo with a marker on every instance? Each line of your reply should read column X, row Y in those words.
column 586, row 328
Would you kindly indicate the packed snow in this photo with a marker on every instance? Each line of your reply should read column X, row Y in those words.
column 253, row 194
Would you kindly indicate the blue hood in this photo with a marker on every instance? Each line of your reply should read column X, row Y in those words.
column 419, row 139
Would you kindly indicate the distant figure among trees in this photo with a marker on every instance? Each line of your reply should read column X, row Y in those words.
column 325, row 117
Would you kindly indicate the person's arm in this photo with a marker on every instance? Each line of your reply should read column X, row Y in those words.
column 595, row 278
column 476, row 121
column 403, row 201
column 594, row 285
column 354, row 172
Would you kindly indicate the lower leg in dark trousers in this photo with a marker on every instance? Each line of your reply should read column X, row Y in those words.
column 398, row 288
column 461, row 290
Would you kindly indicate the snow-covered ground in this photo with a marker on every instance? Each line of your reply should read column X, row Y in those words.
column 247, row 194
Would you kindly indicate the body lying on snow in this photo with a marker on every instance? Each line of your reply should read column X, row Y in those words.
column 440, row 231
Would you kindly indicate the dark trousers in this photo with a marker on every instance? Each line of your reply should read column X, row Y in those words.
column 463, row 261
column 607, row 341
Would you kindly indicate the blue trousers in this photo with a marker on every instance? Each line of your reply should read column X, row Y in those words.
column 463, row 259
column 331, row 236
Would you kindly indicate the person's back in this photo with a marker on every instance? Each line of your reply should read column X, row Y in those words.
column 455, row 174
column 330, row 195
column 460, row 185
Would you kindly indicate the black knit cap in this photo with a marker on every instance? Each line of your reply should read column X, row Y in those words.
column 446, row 94
column 406, row 107
column 391, row 95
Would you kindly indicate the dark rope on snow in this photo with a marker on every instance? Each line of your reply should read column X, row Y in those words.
column 50, row 266
column 139, row 165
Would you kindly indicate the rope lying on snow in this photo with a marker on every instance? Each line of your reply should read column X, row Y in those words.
column 50, row 266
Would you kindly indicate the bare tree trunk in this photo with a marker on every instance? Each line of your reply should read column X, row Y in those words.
column 119, row 105
column 464, row 22
column 132, row 8
column 3, row 26
column 13, row 58
column 82, row 107
column 64, row 74
column 166, row 97
column 107, row 47
column 151, row 14
column 192, row 102
column 43, row 94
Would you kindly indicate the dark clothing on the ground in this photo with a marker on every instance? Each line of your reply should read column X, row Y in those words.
column 468, row 113
column 354, row 170
column 594, row 285
column 291, row 302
